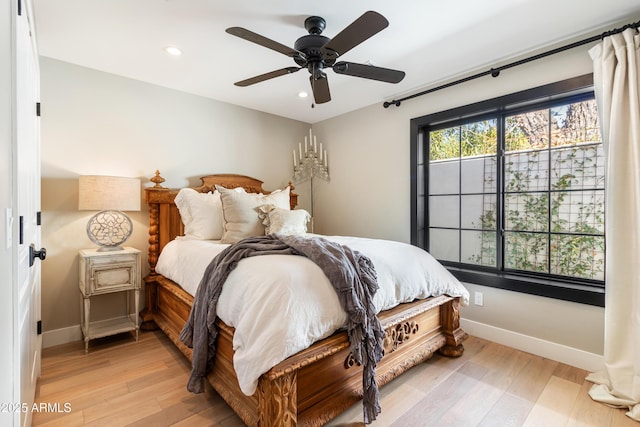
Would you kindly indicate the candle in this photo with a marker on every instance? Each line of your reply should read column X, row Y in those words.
column 294, row 158
column 305, row 145
column 321, row 151
column 315, row 144
column 300, row 149
column 325, row 158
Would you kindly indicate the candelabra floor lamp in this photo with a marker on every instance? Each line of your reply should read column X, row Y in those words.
column 308, row 164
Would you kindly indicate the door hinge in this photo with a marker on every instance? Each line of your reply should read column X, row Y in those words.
column 21, row 234
column 38, row 109
column 39, row 327
column 39, row 218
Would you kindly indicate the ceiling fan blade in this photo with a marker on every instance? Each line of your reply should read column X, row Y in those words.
column 368, row 72
column 267, row 76
column 369, row 24
column 243, row 33
column 320, row 88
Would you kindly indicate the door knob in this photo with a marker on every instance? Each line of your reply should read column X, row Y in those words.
column 33, row 254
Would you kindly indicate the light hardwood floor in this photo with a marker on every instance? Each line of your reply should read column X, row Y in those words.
column 126, row 383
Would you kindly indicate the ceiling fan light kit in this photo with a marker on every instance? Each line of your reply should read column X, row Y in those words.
column 316, row 53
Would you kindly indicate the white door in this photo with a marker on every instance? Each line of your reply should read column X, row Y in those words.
column 27, row 341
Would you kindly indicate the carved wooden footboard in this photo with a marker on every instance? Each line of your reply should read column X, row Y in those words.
column 318, row 383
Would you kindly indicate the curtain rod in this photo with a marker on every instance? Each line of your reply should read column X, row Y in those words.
column 495, row 72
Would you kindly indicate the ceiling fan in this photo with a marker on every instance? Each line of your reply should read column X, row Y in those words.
column 316, row 52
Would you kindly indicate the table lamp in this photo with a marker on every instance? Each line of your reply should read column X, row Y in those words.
column 111, row 195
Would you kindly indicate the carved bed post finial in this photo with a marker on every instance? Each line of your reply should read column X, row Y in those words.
column 157, row 180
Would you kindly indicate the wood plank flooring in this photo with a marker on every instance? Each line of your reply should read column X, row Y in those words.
column 126, row 383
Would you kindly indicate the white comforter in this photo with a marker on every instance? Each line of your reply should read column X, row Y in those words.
column 281, row 304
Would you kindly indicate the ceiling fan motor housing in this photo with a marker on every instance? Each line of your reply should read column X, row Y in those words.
column 311, row 45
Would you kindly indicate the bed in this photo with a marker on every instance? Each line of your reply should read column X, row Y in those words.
column 317, row 383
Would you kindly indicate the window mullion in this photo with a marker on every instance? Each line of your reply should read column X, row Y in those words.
column 549, row 193
column 500, row 202
column 426, row 142
column 460, row 194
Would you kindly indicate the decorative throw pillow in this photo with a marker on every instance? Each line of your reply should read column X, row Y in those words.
column 201, row 214
column 240, row 211
column 284, row 221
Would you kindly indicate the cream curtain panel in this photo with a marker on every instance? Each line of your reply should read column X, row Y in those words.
column 616, row 63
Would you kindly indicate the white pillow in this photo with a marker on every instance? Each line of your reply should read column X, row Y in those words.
column 240, row 212
column 284, row 221
column 201, row 214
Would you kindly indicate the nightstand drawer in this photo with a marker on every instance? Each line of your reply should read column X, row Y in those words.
column 113, row 277
column 99, row 259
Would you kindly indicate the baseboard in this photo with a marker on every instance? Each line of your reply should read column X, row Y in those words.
column 61, row 336
column 561, row 353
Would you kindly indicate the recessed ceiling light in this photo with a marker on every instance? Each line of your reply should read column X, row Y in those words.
column 173, row 51
column 303, row 94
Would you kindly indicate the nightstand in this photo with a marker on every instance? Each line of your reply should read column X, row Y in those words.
column 104, row 273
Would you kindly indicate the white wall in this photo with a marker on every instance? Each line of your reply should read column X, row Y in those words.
column 369, row 193
column 98, row 123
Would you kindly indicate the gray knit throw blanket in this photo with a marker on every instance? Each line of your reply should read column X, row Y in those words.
column 352, row 275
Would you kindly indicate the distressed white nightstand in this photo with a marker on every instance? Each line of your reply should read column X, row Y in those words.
column 104, row 273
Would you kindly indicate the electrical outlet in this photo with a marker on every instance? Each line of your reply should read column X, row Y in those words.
column 478, row 298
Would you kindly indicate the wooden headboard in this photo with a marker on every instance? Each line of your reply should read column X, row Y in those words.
column 165, row 223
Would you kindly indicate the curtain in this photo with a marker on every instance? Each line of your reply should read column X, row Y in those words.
column 616, row 63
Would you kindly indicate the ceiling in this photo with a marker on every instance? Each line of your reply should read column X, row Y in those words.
column 431, row 40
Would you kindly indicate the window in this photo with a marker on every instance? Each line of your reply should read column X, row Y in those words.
column 510, row 192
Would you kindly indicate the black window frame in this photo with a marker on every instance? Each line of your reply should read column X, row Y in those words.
column 585, row 291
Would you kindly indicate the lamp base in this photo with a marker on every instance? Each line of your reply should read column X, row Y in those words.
column 109, row 230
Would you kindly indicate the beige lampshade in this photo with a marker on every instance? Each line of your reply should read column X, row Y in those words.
column 100, row 193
